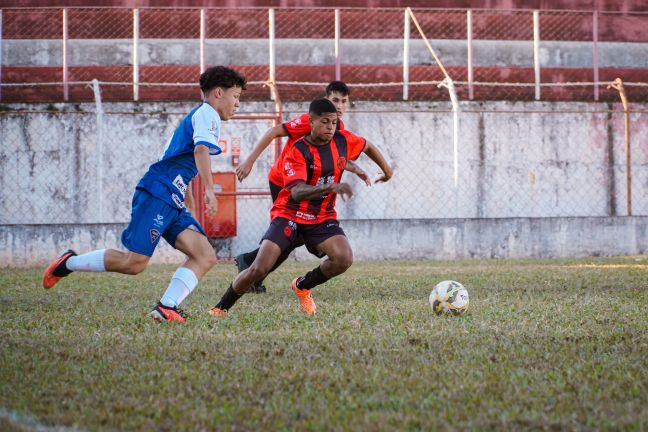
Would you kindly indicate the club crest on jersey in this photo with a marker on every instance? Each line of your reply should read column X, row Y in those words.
column 155, row 234
column 341, row 162
column 289, row 169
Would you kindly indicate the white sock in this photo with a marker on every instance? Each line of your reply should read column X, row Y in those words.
column 89, row 262
column 182, row 283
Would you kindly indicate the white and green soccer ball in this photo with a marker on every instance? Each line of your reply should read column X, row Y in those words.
column 449, row 297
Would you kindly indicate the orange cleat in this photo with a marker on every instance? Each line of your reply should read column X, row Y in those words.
column 163, row 313
column 57, row 270
column 306, row 302
column 218, row 312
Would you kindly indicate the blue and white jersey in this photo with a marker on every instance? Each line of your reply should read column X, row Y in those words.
column 167, row 179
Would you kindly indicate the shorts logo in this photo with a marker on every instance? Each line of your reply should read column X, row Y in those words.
column 341, row 162
column 155, row 234
column 288, row 231
column 158, row 221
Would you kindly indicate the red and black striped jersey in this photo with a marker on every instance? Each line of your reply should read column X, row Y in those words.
column 315, row 166
column 296, row 129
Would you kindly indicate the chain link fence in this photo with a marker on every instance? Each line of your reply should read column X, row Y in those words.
column 156, row 54
column 522, row 151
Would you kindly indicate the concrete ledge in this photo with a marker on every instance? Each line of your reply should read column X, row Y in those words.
column 36, row 245
column 495, row 238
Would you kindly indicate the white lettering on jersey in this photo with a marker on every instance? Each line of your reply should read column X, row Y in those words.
column 295, row 122
column 289, row 169
column 180, row 184
column 305, row 216
column 176, row 199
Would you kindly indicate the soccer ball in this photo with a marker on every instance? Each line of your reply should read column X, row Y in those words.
column 449, row 297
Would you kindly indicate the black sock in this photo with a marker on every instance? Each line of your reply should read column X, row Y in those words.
column 312, row 279
column 229, row 298
column 249, row 257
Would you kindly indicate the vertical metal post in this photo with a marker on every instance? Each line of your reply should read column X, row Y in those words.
column 338, row 72
column 595, row 54
column 469, row 39
column 0, row 54
column 135, row 54
column 65, row 55
column 406, row 48
column 536, row 52
column 203, row 32
column 271, row 47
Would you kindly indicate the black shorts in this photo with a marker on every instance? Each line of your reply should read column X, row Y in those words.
column 289, row 235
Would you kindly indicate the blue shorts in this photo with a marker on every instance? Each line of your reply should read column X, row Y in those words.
column 152, row 218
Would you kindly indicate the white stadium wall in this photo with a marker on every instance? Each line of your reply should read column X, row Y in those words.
column 536, row 179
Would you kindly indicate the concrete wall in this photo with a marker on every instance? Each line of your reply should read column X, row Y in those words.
column 154, row 52
column 535, row 179
column 37, row 245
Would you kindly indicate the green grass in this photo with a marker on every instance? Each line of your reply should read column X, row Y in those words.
column 545, row 345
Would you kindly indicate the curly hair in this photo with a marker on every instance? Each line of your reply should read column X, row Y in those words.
column 221, row 76
column 321, row 106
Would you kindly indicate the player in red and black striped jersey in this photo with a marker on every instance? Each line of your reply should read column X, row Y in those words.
column 305, row 207
column 338, row 93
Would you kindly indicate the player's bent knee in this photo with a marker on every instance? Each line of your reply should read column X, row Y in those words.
column 135, row 267
column 257, row 272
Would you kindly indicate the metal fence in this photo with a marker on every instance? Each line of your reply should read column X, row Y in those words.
column 146, row 54
column 522, row 151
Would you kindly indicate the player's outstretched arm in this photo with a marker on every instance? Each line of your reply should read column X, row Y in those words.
column 243, row 170
column 376, row 156
column 355, row 169
column 303, row 191
column 203, row 162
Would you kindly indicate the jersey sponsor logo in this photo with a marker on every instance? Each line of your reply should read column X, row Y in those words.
column 179, row 183
column 289, row 169
column 341, row 162
column 155, row 234
column 158, row 221
column 294, row 123
column 176, row 199
column 305, row 216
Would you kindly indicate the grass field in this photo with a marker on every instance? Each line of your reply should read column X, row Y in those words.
column 545, row 345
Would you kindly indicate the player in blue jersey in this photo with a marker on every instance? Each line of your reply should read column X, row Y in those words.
column 159, row 202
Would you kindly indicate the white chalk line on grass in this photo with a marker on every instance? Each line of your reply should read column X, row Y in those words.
column 31, row 423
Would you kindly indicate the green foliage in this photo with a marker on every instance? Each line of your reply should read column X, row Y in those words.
column 545, row 345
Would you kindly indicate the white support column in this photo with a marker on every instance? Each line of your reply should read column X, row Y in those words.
column 406, row 48
column 65, row 55
column 135, row 54
column 469, row 40
column 0, row 54
column 338, row 69
column 271, row 47
column 203, row 33
column 536, row 52
column 595, row 54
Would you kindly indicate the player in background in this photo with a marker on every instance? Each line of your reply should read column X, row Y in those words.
column 159, row 202
column 338, row 93
column 305, row 207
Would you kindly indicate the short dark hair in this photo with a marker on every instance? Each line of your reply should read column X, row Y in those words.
column 221, row 76
column 337, row 86
column 321, row 106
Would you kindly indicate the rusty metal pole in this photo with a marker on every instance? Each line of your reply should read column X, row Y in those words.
column 618, row 86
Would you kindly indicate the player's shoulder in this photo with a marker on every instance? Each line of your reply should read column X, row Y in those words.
column 299, row 121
